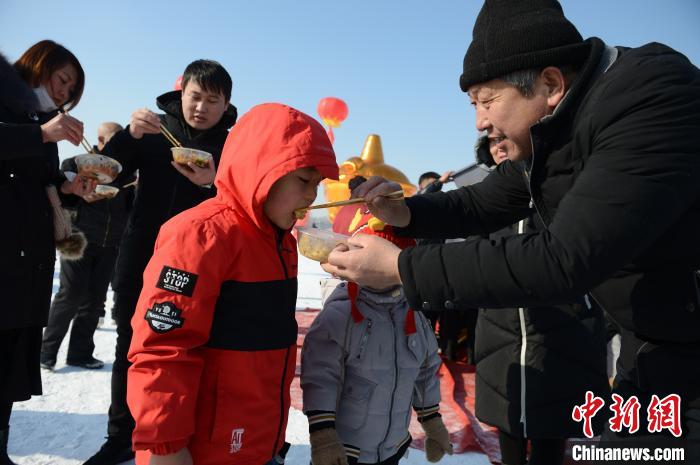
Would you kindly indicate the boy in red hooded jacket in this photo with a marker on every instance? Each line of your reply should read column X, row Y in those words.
column 214, row 346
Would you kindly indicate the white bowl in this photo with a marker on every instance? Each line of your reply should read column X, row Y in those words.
column 100, row 167
column 316, row 244
column 184, row 155
column 106, row 192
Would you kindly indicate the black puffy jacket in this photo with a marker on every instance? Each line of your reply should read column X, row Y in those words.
column 615, row 177
column 27, row 167
column 534, row 364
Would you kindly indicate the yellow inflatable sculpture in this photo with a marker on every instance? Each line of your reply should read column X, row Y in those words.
column 369, row 163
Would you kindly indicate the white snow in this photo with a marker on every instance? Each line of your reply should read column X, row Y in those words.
column 68, row 423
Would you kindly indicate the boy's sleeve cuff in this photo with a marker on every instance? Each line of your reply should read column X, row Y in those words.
column 320, row 419
column 427, row 413
column 167, row 448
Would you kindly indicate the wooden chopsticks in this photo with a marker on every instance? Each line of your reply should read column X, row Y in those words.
column 396, row 195
column 86, row 145
column 168, row 135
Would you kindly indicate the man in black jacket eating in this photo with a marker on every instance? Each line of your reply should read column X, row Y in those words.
column 199, row 117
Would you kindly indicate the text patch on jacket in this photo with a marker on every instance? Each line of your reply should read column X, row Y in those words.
column 177, row 281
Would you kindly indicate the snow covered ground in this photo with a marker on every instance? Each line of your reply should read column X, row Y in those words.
column 68, row 423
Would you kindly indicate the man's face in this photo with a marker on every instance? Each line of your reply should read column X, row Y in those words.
column 202, row 109
column 506, row 115
column 105, row 133
column 425, row 182
column 292, row 191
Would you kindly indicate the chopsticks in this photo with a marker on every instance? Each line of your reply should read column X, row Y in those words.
column 396, row 195
column 86, row 145
column 168, row 135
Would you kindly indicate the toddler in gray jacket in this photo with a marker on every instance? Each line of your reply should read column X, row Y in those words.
column 366, row 360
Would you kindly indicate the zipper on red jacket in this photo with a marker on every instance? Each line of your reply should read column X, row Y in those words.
column 279, row 236
column 279, row 428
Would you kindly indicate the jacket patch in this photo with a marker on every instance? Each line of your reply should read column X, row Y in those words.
column 177, row 281
column 164, row 317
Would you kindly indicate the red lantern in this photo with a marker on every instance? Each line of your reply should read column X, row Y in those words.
column 332, row 111
column 178, row 84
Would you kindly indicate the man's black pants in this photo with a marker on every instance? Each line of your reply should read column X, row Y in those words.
column 80, row 298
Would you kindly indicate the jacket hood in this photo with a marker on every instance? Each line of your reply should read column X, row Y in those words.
column 270, row 141
column 15, row 94
column 373, row 304
column 171, row 103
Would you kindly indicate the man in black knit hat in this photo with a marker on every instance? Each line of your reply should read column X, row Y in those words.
column 602, row 145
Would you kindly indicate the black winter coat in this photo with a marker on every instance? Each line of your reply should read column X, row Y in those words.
column 615, row 176
column 162, row 191
column 27, row 167
column 534, row 364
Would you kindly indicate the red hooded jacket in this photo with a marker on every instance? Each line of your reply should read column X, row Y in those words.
column 214, row 345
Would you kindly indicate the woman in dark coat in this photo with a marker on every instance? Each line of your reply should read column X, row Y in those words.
column 45, row 78
column 533, row 365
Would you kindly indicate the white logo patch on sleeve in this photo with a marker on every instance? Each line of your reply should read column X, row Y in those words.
column 164, row 317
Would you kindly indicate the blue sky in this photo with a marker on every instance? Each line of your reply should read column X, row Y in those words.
column 395, row 63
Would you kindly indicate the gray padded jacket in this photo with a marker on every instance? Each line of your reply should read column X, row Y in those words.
column 362, row 372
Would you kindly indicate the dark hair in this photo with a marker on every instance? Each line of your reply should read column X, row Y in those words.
column 428, row 175
column 210, row 75
column 44, row 58
column 483, row 152
column 524, row 80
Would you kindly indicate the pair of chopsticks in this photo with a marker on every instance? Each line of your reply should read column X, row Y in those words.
column 396, row 195
column 86, row 145
column 168, row 135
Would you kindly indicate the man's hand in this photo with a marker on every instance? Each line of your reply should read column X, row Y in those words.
column 80, row 186
column 371, row 261
column 143, row 121
column 94, row 197
column 62, row 127
column 199, row 176
column 391, row 211
column 445, row 178
column 181, row 457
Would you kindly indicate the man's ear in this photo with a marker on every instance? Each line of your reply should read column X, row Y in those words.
column 554, row 84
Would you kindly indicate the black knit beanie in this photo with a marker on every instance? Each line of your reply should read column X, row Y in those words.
column 513, row 35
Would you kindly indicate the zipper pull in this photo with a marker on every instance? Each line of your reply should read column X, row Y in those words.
column 532, row 202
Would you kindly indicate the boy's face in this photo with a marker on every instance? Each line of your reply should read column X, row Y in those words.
column 294, row 190
column 202, row 109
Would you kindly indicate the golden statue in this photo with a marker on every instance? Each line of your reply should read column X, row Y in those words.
column 369, row 163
